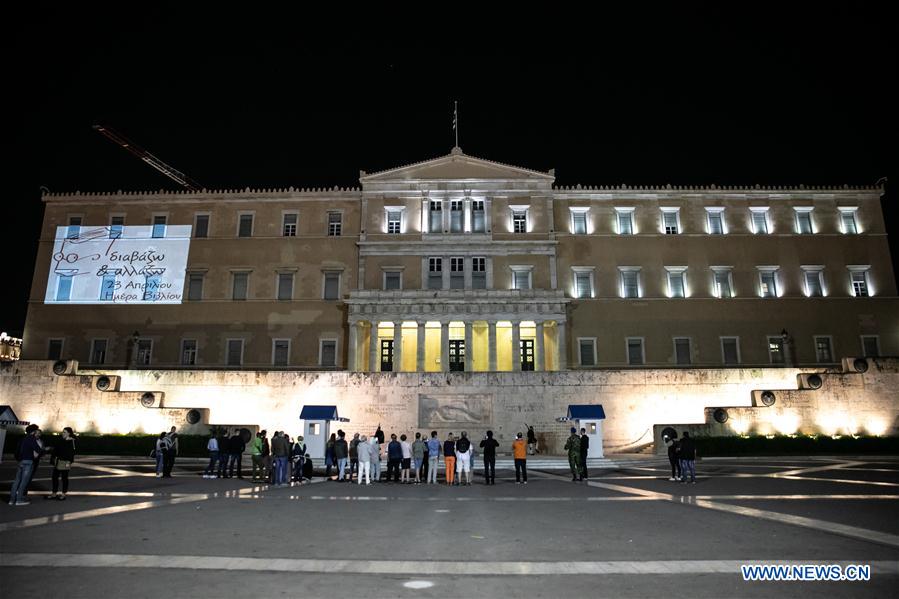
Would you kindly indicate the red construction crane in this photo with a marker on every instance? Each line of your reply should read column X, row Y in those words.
column 169, row 171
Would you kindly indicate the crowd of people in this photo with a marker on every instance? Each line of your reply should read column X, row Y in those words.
column 29, row 452
column 682, row 457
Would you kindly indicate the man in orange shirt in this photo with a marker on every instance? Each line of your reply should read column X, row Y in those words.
column 520, row 453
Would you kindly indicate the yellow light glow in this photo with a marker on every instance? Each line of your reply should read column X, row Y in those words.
column 876, row 426
column 786, row 424
column 739, row 426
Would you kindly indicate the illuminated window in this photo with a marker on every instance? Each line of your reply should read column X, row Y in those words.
column 676, row 283
column 583, row 284
column 201, row 225
column 723, row 282
column 635, row 354
column 519, row 221
column 159, row 222
column 98, row 351
column 671, row 221
column 478, row 220
column 803, row 220
column 456, row 216
column 767, row 282
column 289, row 224
column 436, row 216
column 630, row 283
column 280, row 352
column 394, row 221
column 335, row 224
column 521, row 277
column 144, row 353
column 235, row 352
column 579, row 220
column 586, row 351
column 479, row 273
column 859, row 282
column 116, row 226
column 813, row 281
column 435, row 273
column 715, row 218
column 285, row 286
column 107, row 288
column 776, row 354
column 847, row 218
column 823, row 349
column 64, row 287
column 245, row 225
column 682, row 352
column 625, row 217
column 759, row 221
column 188, row 352
column 730, row 350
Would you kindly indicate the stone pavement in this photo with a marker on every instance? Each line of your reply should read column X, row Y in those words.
column 627, row 532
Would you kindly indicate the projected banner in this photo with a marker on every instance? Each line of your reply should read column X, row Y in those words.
column 118, row 265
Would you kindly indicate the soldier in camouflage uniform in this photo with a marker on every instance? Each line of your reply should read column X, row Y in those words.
column 573, row 447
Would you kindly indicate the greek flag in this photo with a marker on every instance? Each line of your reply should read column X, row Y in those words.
column 455, row 115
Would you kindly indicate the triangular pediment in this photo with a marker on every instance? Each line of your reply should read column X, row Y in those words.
column 455, row 166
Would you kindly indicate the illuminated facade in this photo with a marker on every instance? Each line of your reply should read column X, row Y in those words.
column 463, row 264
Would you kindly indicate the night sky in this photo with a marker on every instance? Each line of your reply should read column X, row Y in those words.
column 688, row 96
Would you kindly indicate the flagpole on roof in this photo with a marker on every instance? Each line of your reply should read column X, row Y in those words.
column 456, row 120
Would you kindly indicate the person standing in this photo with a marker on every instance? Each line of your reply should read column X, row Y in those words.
column 532, row 440
column 212, row 446
column 329, row 455
column 418, row 455
column 374, row 451
column 162, row 446
column 297, row 453
column 407, row 458
column 236, row 447
column 354, row 456
column 280, row 455
column 463, row 459
column 573, row 447
column 364, row 455
column 379, row 435
column 27, row 453
column 671, row 443
column 224, row 452
column 449, row 458
column 63, row 456
column 171, row 454
column 520, row 455
column 433, row 457
column 488, row 448
column 256, row 456
column 687, row 453
column 394, row 458
column 341, row 453
column 585, row 447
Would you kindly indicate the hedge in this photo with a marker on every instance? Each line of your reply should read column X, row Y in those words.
column 779, row 445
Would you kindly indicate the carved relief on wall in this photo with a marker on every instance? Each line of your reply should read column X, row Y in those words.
column 454, row 409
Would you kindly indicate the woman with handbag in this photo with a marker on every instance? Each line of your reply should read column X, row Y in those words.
column 63, row 456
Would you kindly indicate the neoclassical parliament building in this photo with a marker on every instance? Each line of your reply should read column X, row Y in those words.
column 465, row 264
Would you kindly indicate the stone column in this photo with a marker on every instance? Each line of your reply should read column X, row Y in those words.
column 516, row 346
column 397, row 345
column 374, row 353
column 444, row 346
column 420, row 348
column 539, row 360
column 562, row 342
column 468, row 347
column 425, row 216
column 491, row 345
column 353, row 347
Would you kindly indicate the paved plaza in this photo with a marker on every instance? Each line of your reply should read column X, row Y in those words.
column 628, row 532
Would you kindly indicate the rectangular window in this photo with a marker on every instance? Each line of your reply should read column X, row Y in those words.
column 630, row 283
column 730, row 350
column 823, row 350
column 760, row 222
column 240, row 283
column 519, row 221
column 670, row 220
column 159, row 222
column 285, row 286
column 847, row 217
column 521, row 279
column 195, row 287
column 716, row 222
column 54, row 349
column 280, row 352
column 393, row 280
column 479, row 273
column 151, row 288
column 456, row 216
column 803, row 221
column 635, row 351
column 328, row 352
column 859, row 283
column 107, row 288
column 676, row 283
column 98, row 351
column 245, row 225
column 335, row 224
column 394, row 221
column 235, row 352
column 583, row 285
column 435, row 273
column 682, row 354
column 767, row 283
column 813, row 287
column 870, row 346
column 625, row 222
column 722, row 284
column 579, row 222
column 289, row 226
column 332, row 286
column 457, row 273
column 776, row 350
column 478, row 220
column 116, row 226
column 74, row 228
column 436, row 216
column 188, row 352
column 64, row 288
column 587, row 351
column 144, row 354
column 201, row 225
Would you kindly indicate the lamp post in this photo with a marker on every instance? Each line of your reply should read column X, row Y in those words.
column 785, row 337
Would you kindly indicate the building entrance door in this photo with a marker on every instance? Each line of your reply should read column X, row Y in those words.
column 456, row 355
column 386, row 355
column 527, row 354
